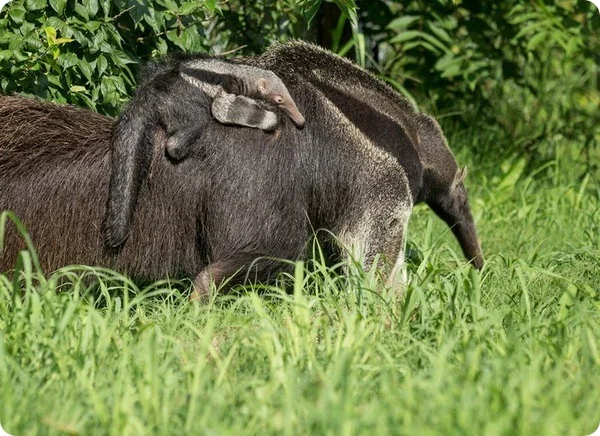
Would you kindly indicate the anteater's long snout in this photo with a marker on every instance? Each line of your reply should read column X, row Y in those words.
column 462, row 225
column 292, row 111
column 466, row 234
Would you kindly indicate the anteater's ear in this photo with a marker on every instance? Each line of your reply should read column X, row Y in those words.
column 459, row 177
column 262, row 85
column 462, row 175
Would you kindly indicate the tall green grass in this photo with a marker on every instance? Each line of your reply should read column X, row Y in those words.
column 513, row 350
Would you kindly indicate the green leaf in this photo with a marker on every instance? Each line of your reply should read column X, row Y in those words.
column 188, row 8
column 92, row 26
column 86, row 70
column 26, row 29
column 5, row 54
column 139, row 11
column 55, row 80
column 107, row 87
column 309, row 9
column 154, row 19
column 420, row 43
column 101, row 65
column 60, row 41
column 92, row 7
column 171, row 5
column 452, row 71
column 348, row 8
column 97, row 39
column 78, row 88
column 536, row 40
column 408, row 35
column 58, row 5
column 119, row 84
column 105, row 4
column 211, row 5
column 67, row 60
column 16, row 45
column 17, row 14
column 440, row 33
column 50, row 34
column 82, row 11
column 447, row 61
column 162, row 46
column 186, row 39
column 35, row 5
column 403, row 22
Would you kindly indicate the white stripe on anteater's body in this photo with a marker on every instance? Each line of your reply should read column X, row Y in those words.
column 211, row 90
column 377, row 122
column 388, row 119
column 235, row 109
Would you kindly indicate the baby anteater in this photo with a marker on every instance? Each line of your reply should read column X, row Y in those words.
column 237, row 91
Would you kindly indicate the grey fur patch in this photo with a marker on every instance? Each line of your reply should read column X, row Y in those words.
column 210, row 90
column 235, row 109
column 248, row 72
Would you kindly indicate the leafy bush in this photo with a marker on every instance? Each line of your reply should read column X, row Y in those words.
column 83, row 52
column 88, row 52
column 529, row 67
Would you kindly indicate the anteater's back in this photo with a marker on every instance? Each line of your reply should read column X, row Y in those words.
column 53, row 167
column 54, row 174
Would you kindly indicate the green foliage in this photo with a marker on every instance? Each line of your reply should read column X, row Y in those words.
column 515, row 350
column 83, row 52
column 530, row 67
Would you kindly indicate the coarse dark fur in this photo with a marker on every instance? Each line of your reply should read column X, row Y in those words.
column 54, row 173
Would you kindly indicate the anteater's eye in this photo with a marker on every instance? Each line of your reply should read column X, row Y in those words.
column 278, row 99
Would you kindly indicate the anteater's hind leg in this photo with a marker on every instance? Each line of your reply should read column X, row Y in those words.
column 214, row 273
column 239, row 270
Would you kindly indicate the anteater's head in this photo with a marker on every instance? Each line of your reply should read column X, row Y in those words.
column 272, row 89
column 444, row 189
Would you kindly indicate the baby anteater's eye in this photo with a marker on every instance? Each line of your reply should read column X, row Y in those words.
column 278, row 99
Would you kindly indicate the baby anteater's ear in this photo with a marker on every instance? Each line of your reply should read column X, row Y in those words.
column 262, row 85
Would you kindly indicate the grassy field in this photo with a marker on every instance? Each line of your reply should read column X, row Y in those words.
column 513, row 350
